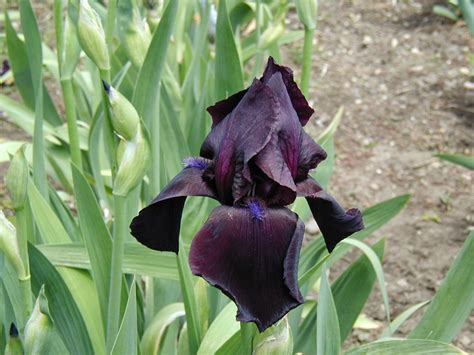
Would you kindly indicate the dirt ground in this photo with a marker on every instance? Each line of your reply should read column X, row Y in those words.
column 403, row 76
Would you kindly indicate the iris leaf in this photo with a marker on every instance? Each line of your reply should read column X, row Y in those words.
column 459, row 159
column 137, row 259
column 377, row 265
column 229, row 77
column 189, row 300
column 223, row 328
column 126, row 341
column 454, row 300
column 327, row 324
column 63, row 308
column 402, row 317
column 96, row 237
column 21, row 71
column 145, row 97
column 355, row 283
column 405, row 346
column 155, row 332
column 49, row 225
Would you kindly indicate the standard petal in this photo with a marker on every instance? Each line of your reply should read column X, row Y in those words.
column 157, row 225
column 238, row 138
column 310, row 155
column 251, row 254
column 334, row 222
column 298, row 100
column 222, row 108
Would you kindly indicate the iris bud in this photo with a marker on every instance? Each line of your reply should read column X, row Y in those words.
column 125, row 118
column 9, row 246
column 14, row 346
column 133, row 164
column 307, row 12
column 275, row 340
column 91, row 36
column 137, row 39
column 16, row 179
column 39, row 327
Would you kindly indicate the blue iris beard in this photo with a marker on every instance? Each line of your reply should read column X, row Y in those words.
column 256, row 210
column 196, row 162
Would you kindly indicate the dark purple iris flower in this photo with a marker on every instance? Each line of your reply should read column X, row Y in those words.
column 255, row 161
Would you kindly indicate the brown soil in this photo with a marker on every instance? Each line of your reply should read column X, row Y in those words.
column 402, row 75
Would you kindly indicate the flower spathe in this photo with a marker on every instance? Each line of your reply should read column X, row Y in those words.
column 255, row 161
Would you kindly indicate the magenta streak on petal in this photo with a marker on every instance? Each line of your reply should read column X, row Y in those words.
column 196, row 162
column 256, row 210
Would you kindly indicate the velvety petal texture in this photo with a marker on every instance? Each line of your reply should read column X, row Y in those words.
column 253, row 258
column 334, row 222
column 299, row 102
column 157, row 225
column 238, row 138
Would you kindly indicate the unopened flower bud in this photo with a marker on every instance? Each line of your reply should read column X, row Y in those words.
column 275, row 340
column 16, row 179
column 39, row 327
column 137, row 39
column 133, row 164
column 9, row 246
column 91, row 36
column 13, row 346
column 125, row 118
column 307, row 12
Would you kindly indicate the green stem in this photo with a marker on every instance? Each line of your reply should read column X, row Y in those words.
column 307, row 59
column 110, row 139
column 25, row 280
column 120, row 232
column 69, row 104
column 247, row 332
column 110, row 25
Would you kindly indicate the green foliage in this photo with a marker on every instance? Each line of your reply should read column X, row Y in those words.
column 89, row 171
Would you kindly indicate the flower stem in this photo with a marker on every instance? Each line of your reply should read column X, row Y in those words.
column 22, row 240
column 110, row 25
column 307, row 59
column 120, row 232
column 69, row 104
column 110, row 139
column 247, row 332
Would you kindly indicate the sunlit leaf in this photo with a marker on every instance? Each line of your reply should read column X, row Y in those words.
column 454, row 300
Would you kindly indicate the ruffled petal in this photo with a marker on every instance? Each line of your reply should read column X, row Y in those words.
column 334, row 222
column 222, row 108
column 157, row 225
column 251, row 254
column 238, row 138
column 298, row 100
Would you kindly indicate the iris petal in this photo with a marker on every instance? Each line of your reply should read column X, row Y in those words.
column 222, row 108
column 310, row 155
column 238, row 138
column 157, row 225
column 334, row 222
column 298, row 100
column 253, row 261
